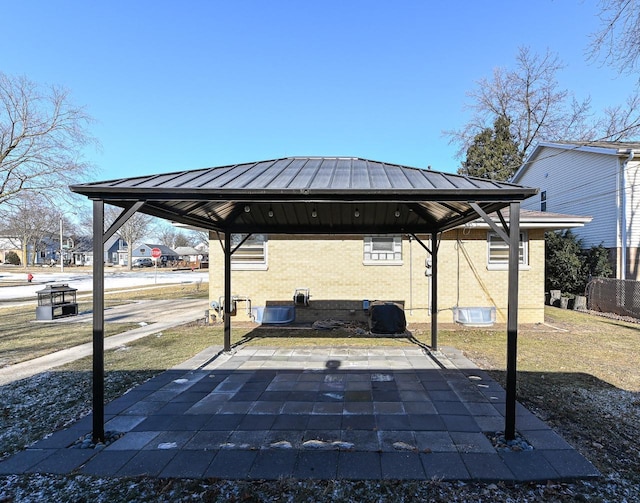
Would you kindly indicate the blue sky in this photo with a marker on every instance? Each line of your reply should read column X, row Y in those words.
column 184, row 85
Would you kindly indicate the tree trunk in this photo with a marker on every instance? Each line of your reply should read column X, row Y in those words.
column 25, row 257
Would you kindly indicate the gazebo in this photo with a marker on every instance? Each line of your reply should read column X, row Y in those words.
column 310, row 195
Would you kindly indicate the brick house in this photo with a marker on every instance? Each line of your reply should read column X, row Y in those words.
column 340, row 272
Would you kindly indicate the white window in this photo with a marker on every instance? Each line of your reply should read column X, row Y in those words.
column 498, row 251
column 383, row 250
column 251, row 255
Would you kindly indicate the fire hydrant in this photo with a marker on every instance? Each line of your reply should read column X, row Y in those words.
column 29, row 277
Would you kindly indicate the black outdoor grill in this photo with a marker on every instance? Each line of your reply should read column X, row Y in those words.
column 56, row 301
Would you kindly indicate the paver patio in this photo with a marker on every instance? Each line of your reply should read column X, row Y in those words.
column 332, row 413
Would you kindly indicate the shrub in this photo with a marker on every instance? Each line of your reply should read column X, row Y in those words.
column 569, row 267
column 12, row 258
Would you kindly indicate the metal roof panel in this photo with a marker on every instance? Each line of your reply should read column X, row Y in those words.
column 346, row 195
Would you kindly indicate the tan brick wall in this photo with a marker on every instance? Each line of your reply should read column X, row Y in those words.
column 333, row 270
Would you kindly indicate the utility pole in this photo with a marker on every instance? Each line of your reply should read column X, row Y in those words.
column 61, row 253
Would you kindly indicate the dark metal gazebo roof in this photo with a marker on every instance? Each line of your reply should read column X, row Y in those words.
column 302, row 195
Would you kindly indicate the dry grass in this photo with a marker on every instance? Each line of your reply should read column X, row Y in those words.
column 22, row 338
column 569, row 343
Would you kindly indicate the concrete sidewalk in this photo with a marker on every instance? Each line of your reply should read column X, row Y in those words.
column 159, row 314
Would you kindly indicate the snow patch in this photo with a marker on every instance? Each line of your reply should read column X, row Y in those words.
column 321, row 444
column 282, row 444
column 403, row 446
column 381, row 377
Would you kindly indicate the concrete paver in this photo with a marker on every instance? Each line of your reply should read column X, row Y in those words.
column 212, row 418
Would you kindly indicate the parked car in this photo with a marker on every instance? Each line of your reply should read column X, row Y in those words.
column 142, row 262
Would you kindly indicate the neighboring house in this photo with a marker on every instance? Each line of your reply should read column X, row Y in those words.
column 202, row 248
column 115, row 251
column 601, row 180
column 189, row 255
column 8, row 245
column 341, row 272
column 144, row 250
column 47, row 250
column 82, row 253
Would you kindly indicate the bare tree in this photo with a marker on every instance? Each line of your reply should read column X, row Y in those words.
column 172, row 237
column 167, row 235
column 622, row 122
column 31, row 223
column 42, row 135
column 530, row 97
column 200, row 237
column 617, row 42
column 136, row 228
column 182, row 239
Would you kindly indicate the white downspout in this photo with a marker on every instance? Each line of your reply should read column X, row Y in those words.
column 623, row 216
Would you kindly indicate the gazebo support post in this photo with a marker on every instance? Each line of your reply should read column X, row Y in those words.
column 434, row 291
column 98, row 321
column 227, row 291
column 512, row 320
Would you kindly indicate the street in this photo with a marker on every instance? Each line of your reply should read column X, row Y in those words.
column 83, row 281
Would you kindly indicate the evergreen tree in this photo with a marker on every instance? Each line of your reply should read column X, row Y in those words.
column 596, row 263
column 564, row 267
column 494, row 154
column 569, row 267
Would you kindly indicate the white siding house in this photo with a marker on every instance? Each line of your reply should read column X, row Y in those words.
column 599, row 180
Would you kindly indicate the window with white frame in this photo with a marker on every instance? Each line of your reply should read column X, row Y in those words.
column 498, row 251
column 252, row 254
column 383, row 250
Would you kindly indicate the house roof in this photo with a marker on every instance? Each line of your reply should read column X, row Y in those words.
column 617, row 146
column 186, row 250
column 165, row 250
column 310, row 195
column 531, row 219
column 614, row 148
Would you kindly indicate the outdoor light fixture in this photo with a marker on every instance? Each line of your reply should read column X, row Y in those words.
column 314, row 213
column 356, row 213
column 270, row 213
column 397, row 213
column 247, row 208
